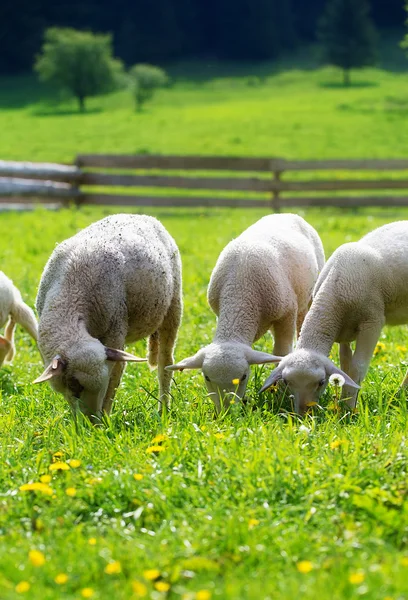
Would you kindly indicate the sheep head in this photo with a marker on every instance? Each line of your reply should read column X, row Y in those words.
column 82, row 375
column 306, row 373
column 226, row 369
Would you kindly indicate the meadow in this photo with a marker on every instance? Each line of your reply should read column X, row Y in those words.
column 256, row 504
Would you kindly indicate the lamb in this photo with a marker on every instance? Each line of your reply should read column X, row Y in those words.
column 363, row 286
column 262, row 280
column 113, row 283
column 13, row 310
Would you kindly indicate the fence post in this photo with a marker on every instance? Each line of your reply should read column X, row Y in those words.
column 275, row 203
column 75, row 187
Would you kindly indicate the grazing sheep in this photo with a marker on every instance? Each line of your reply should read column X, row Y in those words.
column 13, row 310
column 363, row 286
column 262, row 280
column 113, row 283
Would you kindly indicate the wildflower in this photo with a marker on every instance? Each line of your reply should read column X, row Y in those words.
column 137, row 476
column 203, row 595
column 379, row 348
column 113, row 568
column 57, row 455
column 219, row 436
column 87, row 593
column 37, row 487
column 61, row 578
column 401, row 348
column 304, row 566
column 304, row 429
column 235, row 381
column 404, row 561
column 337, row 380
column 159, row 438
column 94, row 480
column 151, row 574
column 71, row 491
column 253, row 523
column 74, row 463
column 59, row 466
column 22, row 587
column 36, row 558
column 356, row 578
column 162, row 586
column 92, row 541
column 152, row 449
column 45, row 478
column 335, row 444
column 139, row 589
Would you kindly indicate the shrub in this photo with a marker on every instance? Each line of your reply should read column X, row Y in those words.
column 146, row 79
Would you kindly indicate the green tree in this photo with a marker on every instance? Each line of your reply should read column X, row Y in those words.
column 347, row 35
column 79, row 61
column 146, row 79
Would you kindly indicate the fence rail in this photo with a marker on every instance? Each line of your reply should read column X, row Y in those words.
column 145, row 175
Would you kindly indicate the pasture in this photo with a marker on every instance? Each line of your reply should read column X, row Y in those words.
column 256, row 504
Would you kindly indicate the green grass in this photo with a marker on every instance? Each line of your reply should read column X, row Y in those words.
column 232, row 505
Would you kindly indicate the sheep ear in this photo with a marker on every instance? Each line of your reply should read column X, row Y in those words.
column 273, row 378
column 54, row 369
column 333, row 370
column 254, row 357
column 192, row 362
column 121, row 356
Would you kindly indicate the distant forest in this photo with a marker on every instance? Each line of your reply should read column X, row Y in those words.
column 157, row 31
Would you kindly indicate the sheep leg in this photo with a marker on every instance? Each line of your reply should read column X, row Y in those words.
column 167, row 339
column 9, row 335
column 114, row 381
column 284, row 335
column 366, row 341
column 346, row 356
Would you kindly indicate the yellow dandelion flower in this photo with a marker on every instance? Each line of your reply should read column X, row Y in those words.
column 61, row 578
column 151, row 574
column 139, row 589
column 59, row 466
column 37, row 487
column 401, row 348
column 45, row 478
column 162, row 586
column 113, row 568
column 159, row 438
column 304, row 566
column 335, row 444
column 92, row 541
column 74, row 463
column 235, row 381
column 253, row 523
column 379, row 348
column 36, row 558
column 137, row 476
column 71, row 491
column 203, row 595
column 152, row 449
column 22, row 587
column 87, row 592
column 404, row 561
column 356, row 578
column 219, row 436
column 57, row 455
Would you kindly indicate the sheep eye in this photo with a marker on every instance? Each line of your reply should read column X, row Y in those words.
column 243, row 377
column 321, row 382
column 207, row 378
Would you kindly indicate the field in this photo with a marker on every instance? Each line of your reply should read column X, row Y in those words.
column 254, row 505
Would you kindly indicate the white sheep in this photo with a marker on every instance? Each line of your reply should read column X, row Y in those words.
column 113, row 283
column 363, row 286
column 13, row 310
column 262, row 280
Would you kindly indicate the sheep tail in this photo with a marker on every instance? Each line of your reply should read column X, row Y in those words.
column 24, row 316
column 153, row 350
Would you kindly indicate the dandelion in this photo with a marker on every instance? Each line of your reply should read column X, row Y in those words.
column 356, row 578
column 379, row 348
column 401, row 348
column 235, row 381
column 159, row 438
column 36, row 558
column 138, row 476
column 203, row 595
column 59, row 466
column 337, row 380
column 253, row 523
column 74, row 463
column 162, row 586
column 404, row 561
column 113, row 568
column 139, row 589
column 45, row 478
column 304, row 566
column 22, row 587
column 92, row 541
column 87, row 592
column 219, row 436
column 304, row 429
column 37, row 487
column 61, row 578
column 57, row 455
column 71, row 491
column 335, row 444
column 151, row 574
column 152, row 449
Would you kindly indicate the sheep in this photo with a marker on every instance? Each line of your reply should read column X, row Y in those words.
column 363, row 286
column 113, row 283
column 262, row 280
column 13, row 310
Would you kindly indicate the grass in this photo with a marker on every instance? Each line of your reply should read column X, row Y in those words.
column 256, row 504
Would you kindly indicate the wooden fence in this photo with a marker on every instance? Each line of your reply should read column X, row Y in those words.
column 145, row 180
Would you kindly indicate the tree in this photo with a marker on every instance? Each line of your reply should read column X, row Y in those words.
column 347, row 35
column 146, row 79
column 79, row 61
